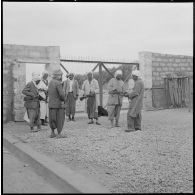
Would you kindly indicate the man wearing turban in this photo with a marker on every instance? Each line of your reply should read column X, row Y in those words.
column 43, row 92
column 56, row 104
column 71, row 89
column 115, row 89
column 136, row 104
column 32, row 101
column 91, row 88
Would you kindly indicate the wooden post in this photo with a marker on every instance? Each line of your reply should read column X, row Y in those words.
column 189, row 93
column 100, row 84
column 165, row 88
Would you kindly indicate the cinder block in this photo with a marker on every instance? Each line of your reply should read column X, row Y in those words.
column 189, row 68
column 185, row 64
column 171, row 60
column 162, row 64
column 190, row 60
column 158, row 59
column 184, row 60
column 159, row 69
column 183, row 68
column 155, row 73
column 165, row 59
column 165, row 68
column 177, row 60
column 171, row 69
column 155, row 64
column 34, row 54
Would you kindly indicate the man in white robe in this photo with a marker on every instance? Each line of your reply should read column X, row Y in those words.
column 43, row 92
column 91, row 88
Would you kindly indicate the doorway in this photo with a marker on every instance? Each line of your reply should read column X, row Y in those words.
column 33, row 67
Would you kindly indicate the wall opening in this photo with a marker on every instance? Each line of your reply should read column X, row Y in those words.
column 32, row 67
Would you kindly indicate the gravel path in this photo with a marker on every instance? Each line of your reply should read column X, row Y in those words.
column 157, row 159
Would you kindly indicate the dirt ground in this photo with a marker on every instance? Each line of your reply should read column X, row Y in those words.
column 19, row 178
column 157, row 159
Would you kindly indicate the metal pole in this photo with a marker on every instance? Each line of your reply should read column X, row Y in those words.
column 100, row 84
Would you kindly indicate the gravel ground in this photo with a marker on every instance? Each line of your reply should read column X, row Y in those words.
column 155, row 160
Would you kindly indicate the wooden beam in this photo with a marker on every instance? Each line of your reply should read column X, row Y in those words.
column 64, row 68
column 96, row 61
column 189, row 94
column 100, row 84
column 95, row 67
column 107, row 70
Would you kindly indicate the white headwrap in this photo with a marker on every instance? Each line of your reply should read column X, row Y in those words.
column 136, row 73
column 45, row 72
column 36, row 76
column 118, row 72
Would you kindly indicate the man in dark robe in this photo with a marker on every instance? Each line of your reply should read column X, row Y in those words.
column 56, row 97
column 136, row 103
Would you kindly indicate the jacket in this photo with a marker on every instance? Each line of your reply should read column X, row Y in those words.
column 136, row 96
column 75, row 88
column 56, row 94
column 32, row 96
column 115, row 99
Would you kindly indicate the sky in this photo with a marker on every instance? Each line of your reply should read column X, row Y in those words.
column 100, row 30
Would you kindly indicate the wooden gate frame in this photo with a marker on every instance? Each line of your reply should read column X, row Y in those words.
column 99, row 64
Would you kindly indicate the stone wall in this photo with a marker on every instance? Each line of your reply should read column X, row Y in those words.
column 14, row 59
column 154, row 67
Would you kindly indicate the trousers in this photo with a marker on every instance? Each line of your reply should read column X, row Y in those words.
column 34, row 117
column 114, row 112
column 56, row 119
column 134, row 123
column 71, row 105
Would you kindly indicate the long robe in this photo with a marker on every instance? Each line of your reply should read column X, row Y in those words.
column 56, row 105
column 94, row 87
column 136, row 97
column 134, row 116
column 43, row 104
column 114, row 100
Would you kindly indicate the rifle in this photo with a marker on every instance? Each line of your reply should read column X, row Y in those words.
column 90, row 95
column 115, row 92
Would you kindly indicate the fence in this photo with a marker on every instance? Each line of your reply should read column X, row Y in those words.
column 179, row 91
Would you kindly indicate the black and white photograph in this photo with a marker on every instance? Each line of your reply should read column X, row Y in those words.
column 97, row 97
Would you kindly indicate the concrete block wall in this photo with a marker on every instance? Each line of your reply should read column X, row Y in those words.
column 14, row 59
column 154, row 67
column 163, row 64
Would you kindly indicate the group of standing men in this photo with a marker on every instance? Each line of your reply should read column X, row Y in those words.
column 55, row 99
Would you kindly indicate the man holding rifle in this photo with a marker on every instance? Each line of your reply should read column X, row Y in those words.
column 91, row 88
column 136, row 103
column 115, row 90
